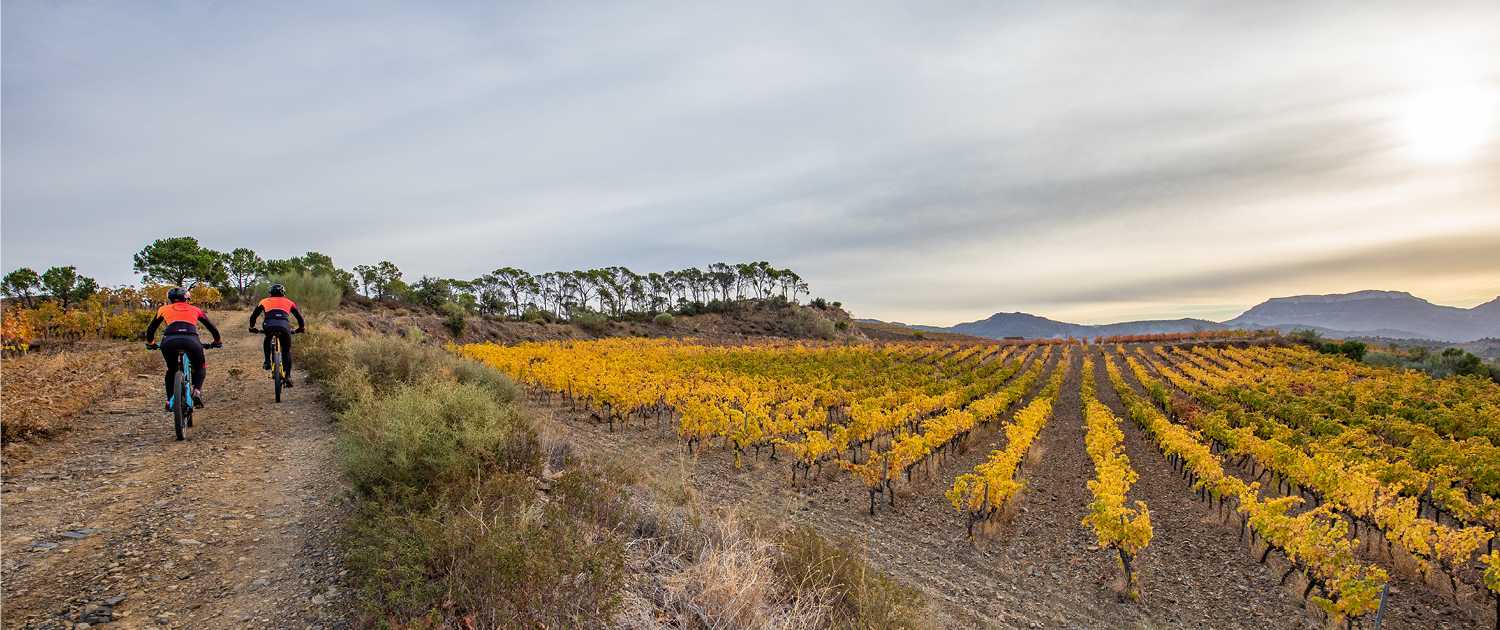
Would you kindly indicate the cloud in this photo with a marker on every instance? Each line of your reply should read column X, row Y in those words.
column 918, row 162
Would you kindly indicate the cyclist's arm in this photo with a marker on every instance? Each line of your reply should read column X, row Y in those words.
column 210, row 326
column 298, row 316
column 256, row 315
column 151, row 330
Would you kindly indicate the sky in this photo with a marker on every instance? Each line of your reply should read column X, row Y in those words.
column 921, row 162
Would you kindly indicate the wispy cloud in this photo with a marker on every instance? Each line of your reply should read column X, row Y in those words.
column 919, row 162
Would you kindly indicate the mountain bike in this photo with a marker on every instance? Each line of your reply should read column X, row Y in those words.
column 278, row 375
column 182, row 392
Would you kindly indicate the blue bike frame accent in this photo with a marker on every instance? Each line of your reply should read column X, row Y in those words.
column 187, row 373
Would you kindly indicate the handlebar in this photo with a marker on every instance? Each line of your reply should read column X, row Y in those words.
column 216, row 344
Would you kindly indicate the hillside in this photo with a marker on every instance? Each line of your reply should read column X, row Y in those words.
column 1376, row 313
column 1385, row 314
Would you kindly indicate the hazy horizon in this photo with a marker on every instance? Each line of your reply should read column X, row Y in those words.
column 925, row 164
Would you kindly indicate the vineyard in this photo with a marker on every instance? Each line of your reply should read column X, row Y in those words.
column 1355, row 487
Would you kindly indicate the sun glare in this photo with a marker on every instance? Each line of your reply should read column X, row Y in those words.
column 1449, row 123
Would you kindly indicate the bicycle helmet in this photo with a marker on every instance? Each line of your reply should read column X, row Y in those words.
column 278, row 290
column 178, row 294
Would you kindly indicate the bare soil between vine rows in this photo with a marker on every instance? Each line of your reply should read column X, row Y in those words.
column 1039, row 567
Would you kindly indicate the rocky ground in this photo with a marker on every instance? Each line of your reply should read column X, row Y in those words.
column 119, row 525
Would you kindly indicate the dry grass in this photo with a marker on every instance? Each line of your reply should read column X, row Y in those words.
column 44, row 392
column 714, row 572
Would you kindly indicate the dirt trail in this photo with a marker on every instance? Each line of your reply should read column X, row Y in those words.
column 117, row 523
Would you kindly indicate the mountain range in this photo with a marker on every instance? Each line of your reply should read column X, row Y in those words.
column 1393, row 314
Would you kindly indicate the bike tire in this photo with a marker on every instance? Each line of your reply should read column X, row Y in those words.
column 179, row 403
column 276, row 367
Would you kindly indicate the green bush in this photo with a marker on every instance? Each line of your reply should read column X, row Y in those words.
column 842, row 325
column 1354, row 350
column 312, row 294
column 664, row 320
column 321, row 351
column 487, row 558
column 450, row 532
column 824, row 329
column 455, row 321
column 594, row 323
column 392, row 361
column 435, row 434
column 500, row 386
column 535, row 316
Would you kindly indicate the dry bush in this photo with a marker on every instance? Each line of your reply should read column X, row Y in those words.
column 44, row 392
column 702, row 571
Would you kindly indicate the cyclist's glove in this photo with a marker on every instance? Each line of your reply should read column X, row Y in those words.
column 301, row 330
column 152, row 346
column 216, row 344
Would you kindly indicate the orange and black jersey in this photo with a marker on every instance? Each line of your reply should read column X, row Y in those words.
column 181, row 319
column 276, row 310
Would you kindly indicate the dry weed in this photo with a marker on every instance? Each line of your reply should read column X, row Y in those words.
column 44, row 392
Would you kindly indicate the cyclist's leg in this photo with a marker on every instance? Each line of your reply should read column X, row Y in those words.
column 172, row 365
column 267, row 347
column 286, row 351
column 200, row 365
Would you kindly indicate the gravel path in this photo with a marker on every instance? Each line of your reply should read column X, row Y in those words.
column 118, row 524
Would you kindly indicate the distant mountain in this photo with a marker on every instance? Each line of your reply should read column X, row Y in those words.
column 1393, row 314
column 1032, row 327
column 1377, row 314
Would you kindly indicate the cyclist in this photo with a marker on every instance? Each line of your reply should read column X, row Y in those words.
column 277, row 310
column 181, row 335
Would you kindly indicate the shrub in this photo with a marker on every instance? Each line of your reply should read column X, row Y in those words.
column 455, row 321
column 776, row 301
column 312, row 294
column 823, row 329
column 536, row 317
column 842, row 325
column 835, row 573
column 594, row 323
column 390, row 361
column 433, row 435
column 321, row 351
column 664, row 320
column 497, row 383
column 1353, row 349
column 819, row 303
column 129, row 326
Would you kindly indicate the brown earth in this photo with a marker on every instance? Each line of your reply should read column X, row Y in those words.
column 119, row 524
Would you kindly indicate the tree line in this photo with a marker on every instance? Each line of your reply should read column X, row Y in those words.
column 509, row 292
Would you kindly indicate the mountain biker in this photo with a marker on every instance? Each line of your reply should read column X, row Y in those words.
column 181, row 335
column 277, row 309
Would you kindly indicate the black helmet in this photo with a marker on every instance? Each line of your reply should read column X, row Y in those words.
column 178, row 294
column 278, row 290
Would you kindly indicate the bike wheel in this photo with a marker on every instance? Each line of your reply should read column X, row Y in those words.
column 180, row 406
column 276, row 368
